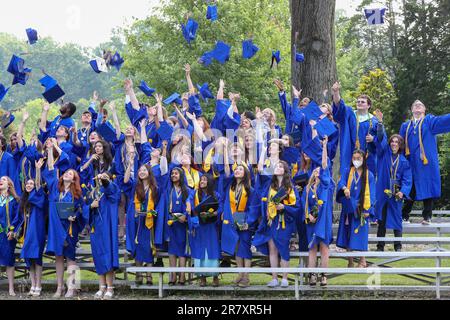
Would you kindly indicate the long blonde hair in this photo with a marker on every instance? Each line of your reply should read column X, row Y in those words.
column 11, row 189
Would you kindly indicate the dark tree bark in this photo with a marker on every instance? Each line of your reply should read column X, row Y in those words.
column 313, row 34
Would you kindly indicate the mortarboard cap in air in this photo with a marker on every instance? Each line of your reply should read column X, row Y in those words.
column 165, row 131
column 248, row 49
column 32, row 35
column 211, row 12
column 146, row 89
column 117, row 61
column 99, row 65
column 221, row 52
column 189, row 30
column 299, row 57
column 325, row 127
column 312, row 111
column 290, row 155
column 52, row 90
column 204, row 91
column 175, row 97
column 276, row 57
column 3, row 91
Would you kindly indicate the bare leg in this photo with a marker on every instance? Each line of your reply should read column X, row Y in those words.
column 71, row 270
column 312, row 259
column 172, row 263
column 240, row 264
column 182, row 265
column 59, row 274
column 273, row 256
column 284, row 264
column 38, row 270
column 325, row 255
column 10, row 272
column 33, row 275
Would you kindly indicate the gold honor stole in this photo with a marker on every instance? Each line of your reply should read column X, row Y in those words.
column 192, row 177
column 239, row 204
column 422, row 148
column 272, row 207
column 367, row 203
column 208, row 160
column 139, row 207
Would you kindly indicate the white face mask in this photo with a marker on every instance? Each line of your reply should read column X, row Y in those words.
column 357, row 163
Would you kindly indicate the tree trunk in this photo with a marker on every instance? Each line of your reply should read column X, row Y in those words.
column 313, row 34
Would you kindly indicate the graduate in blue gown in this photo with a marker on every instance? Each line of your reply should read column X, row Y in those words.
column 8, row 165
column 145, row 219
column 278, row 217
column 421, row 151
column 317, row 207
column 205, row 243
column 178, row 204
column 33, row 209
column 10, row 223
column 103, row 221
column 358, row 129
column 239, row 199
column 48, row 129
column 393, row 184
column 358, row 188
column 63, row 232
column 99, row 162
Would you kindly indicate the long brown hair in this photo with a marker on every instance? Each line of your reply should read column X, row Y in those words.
column 11, row 189
column 140, row 190
column 246, row 181
column 75, row 187
column 286, row 181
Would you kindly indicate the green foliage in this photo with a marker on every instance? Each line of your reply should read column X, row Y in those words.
column 377, row 85
column 157, row 51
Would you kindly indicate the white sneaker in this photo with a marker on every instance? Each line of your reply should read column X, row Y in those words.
column 406, row 221
column 273, row 283
column 284, row 283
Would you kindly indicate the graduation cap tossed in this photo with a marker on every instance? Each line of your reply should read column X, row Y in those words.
column 189, row 30
column 325, row 127
column 375, row 16
column 211, row 12
column 165, row 131
column 175, row 97
column 299, row 57
column 276, row 57
column 117, row 61
column 290, row 155
column 52, row 90
column 204, row 91
column 32, row 35
column 146, row 89
column 248, row 49
column 221, row 53
column 99, row 65
column 17, row 68
column 312, row 111
column 3, row 91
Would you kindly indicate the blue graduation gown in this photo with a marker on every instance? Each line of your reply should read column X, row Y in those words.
column 35, row 234
column 348, row 223
column 177, row 232
column 8, row 168
column 60, row 242
column 403, row 178
column 322, row 230
column 53, row 126
column 426, row 178
column 205, row 239
column 346, row 118
column 139, row 237
column 104, row 232
column 280, row 236
column 231, row 237
column 7, row 247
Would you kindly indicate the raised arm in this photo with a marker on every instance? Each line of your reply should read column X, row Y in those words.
column 21, row 129
column 44, row 115
column 336, row 92
column 192, row 90
column 163, row 165
column 143, row 131
column 129, row 91
column 112, row 107
column 325, row 153
column 221, row 89
column 226, row 164
column 159, row 112
column 181, row 116
column 130, row 165
column 198, row 130
column 38, row 165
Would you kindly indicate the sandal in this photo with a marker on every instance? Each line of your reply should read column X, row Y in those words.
column 100, row 293
column 323, row 280
column 109, row 293
column 139, row 279
column 31, row 291
column 149, row 280
column 37, row 292
column 312, row 279
column 202, row 282
column 59, row 292
column 244, row 283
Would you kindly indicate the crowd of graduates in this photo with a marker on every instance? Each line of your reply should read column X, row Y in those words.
column 204, row 190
